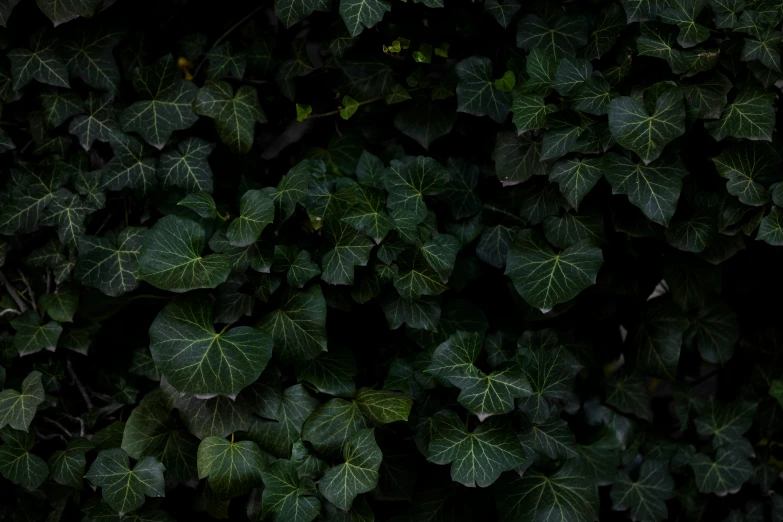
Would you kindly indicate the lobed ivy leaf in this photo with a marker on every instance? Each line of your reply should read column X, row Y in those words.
column 68, row 465
column 331, row 373
column 232, row 468
column 298, row 326
column 33, row 335
column 123, row 487
column 502, row 10
column 544, row 277
column 98, row 123
column 235, row 114
column 187, row 166
column 131, row 165
column 358, row 14
column 426, row 121
column 476, row 90
column 749, row 116
column 724, row 473
column 683, row 14
column 111, row 264
column 553, row 438
column 561, row 37
column 348, row 248
column 40, row 63
column 17, row 408
column 278, row 436
column 62, row 11
column 256, row 211
column 287, row 495
column 550, row 373
column 89, row 57
column 195, row 359
column 171, row 257
column 746, row 167
column 17, row 464
column 646, row 496
column 576, row 177
column 358, row 474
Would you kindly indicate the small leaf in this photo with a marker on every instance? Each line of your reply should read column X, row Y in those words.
column 32, row 336
column 576, row 177
column 68, row 465
column 187, row 165
column 60, row 306
column 232, row 468
column 132, row 166
column 256, row 211
column 358, row 14
column 331, row 373
column 298, row 326
column 646, row 496
column 18, row 408
column 97, row 124
column 111, row 264
column 477, row 94
column 124, row 488
column 382, row 407
column 291, row 12
column 201, row 203
column 561, row 36
column 287, row 495
column 350, row 106
column 502, row 10
column 278, row 436
column 348, row 248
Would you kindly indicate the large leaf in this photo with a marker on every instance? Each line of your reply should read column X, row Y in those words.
column 544, row 277
column 89, row 57
column 171, row 257
column 331, row 373
column 576, row 177
column 235, row 114
column 478, row 457
column 724, row 473
column 726, row 422
column 196, row 359
column 298, row 326
column 232, row 468
column 330, row 427
column 17, row 408
column 17, row 464
column 643, row 132
column 550, row 372
column 358, row 474
column 40, row 63
column 124, row 488
column 654, row 188
column 256, row 211
column 570, row 493
column 358, row 14
column 749, row 116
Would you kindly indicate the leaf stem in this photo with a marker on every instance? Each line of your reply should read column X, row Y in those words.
column 13, row 293
column 79, row 385
column 365, row 102
column 30, row 293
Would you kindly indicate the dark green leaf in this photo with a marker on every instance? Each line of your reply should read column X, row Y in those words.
column 124, row 488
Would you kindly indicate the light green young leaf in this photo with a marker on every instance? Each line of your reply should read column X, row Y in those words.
column 195, row 359
column 476, row 91
column 299, row 325
column 17, row 464
column 358, row 474
column 171, row 257
column 111, row 264
column 544, row 277
column 478, row 457
column 644, row 133
column 235, row 115
column 124, row 488
column 232, row 468
column 17, row 409
column 187, row 165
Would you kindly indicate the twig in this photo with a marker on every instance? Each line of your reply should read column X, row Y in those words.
column 105, row 221
column 50, row 437
column 225, row 35
column 79, row 385
column 79, row 420
column 14, row 294
column 10, row 311
column 54, row 422
column 30, row 293
column 48, row 280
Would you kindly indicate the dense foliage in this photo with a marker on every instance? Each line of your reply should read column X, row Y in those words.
column 355, row 260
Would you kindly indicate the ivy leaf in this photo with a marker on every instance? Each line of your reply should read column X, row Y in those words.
column 41, row 64
column 553, row 438
column 421, row 313
column 223, row 63
column 298, row 265
column 544, row 277
column 124, row 488
column 111, row 264
column 608, row 27
column 98, row 123
column 358, row 474
column 329, row 427
column 151, row 431
column 476, row 91
column 749, row 116
column 89, row 57
column 771, row 228
column 202, row 204
column 358, row 14
column 570, row 493
column 426, row 121
column 235, row 115
column 278, row 436
column 187, row 165
column 654, row 188
column 708, row 96
column 256, row 212
column 369, row 213
column 502, row 10
column 232, row 468
column 331, row 373
column 746, row 166
column 17, row 464
column 541, row 68
column 169, row 108
column 550, row 373
column 723, row 474
column 32, row 336
column 644, row 133
column 349, row 248
column 131, row 165
column 409, row 180
column 576, row 177
column 530, row 112
column 287, row 495
column 60, row 12
column 658, row 340
column 565, row 128
column 6, row 7
column 171, row 257
column 561, row 37
column 642, row 10
column 517, row 159
column 629, row 395
column 646, row 496
column 478, row 457
column 59, row 105
column 68, row 465
column 196, row 359
column 17, row 409
column 593, row 96
column 382, row 406
column 291, row 12
column 694, row 232
column 725, row 422
column 726, row 12
column 67, row 211
column 569, row 229
column 60, row 306
column 298, row 326
column 683, row 14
